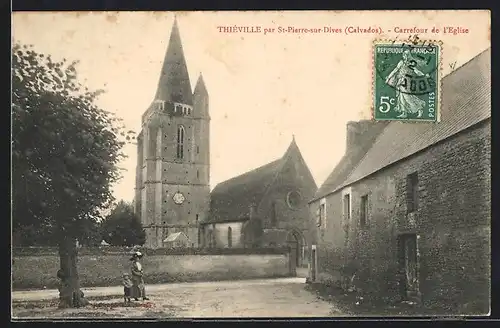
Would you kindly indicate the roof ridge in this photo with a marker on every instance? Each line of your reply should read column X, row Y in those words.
column 246, row 173
column 464, row 64
column 451, row 128
column 343, row 185
column 364, row 156
column 384, row 133
column 348, row 163
column 283, row 160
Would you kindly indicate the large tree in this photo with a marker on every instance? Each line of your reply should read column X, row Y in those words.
column 123, row 227
column 65, row 152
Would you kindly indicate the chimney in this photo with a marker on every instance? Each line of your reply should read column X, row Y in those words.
column 361, row 132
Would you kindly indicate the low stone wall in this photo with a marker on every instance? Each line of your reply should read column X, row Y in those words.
column 101, row 268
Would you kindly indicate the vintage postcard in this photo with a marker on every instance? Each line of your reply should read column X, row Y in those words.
column 172, row 165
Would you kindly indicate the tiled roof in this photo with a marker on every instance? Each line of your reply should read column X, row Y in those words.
column 466, row 101
column 175, row 236
column 349, row 160
column 231, row 200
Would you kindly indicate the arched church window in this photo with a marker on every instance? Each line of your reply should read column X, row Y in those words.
column 209, row 238
column 180, row 141
column 229, row 237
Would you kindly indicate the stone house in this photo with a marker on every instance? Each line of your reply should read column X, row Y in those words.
column 406, row 212
column 266, row 207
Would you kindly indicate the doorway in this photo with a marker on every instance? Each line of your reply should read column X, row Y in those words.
column 408, row 264
column 294, row 241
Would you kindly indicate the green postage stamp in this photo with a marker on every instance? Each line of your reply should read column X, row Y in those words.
column 407, row 84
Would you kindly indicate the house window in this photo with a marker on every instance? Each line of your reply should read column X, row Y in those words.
column 364, row 211
column 180, row 142
column 197, row 149
column 197, row 217
column 229, row 237
column 347, row 207
column 347, row 216
column 412, row 192
column 197, row 174
column 322, row 215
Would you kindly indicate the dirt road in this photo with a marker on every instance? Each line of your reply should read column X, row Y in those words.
column 284, row 297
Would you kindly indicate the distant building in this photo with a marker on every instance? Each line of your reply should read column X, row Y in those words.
column 407, row 211
column 177, row 240
column 173, row 157
column 266, row 207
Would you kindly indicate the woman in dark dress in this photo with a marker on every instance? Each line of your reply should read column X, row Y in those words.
column 138, row 289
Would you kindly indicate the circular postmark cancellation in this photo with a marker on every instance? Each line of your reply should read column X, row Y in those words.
column 406, row 80
column 419, row 62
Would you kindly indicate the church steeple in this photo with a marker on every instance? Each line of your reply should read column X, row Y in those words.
column 200, row 99
column 174, row 84
column 200, row 88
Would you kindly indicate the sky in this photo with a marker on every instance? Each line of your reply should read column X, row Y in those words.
column 264, row 88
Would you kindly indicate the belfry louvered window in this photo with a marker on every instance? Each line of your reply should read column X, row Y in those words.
column 180, row 142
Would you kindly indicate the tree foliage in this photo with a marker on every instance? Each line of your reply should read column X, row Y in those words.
column 65, row 149
column 65, row 155
column 123, row 227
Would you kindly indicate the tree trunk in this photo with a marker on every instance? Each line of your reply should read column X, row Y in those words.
column 70, row 295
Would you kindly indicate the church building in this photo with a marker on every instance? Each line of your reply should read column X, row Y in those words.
column 172, row 193
column 266, row 207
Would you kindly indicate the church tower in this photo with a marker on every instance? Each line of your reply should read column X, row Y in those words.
column 173, row 156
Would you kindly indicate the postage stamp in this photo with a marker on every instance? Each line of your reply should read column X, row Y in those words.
column 407, row 81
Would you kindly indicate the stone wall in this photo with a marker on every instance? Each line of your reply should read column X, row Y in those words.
column 452, row 224
column 101, row 268
column 220, row 232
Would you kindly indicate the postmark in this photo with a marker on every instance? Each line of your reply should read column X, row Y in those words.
column 407, row 80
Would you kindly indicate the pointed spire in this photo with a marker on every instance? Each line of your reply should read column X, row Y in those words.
column 292, row 147
column 174, row 84
column 200, row 88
